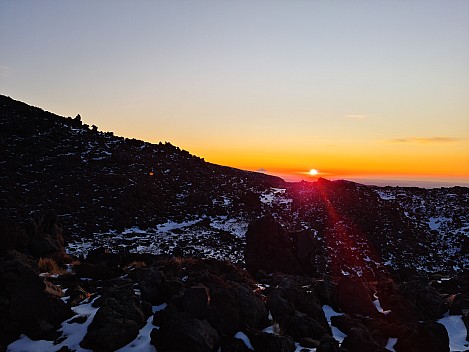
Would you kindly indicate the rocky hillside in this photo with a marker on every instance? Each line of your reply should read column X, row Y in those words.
column 113, row 244
column 136, row 196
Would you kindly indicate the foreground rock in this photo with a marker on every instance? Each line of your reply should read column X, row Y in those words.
column 118, row 320
column 25, row 304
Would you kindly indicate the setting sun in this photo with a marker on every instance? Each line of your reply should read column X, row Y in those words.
column 313, row 172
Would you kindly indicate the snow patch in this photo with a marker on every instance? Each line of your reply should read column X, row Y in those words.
column 456, row 332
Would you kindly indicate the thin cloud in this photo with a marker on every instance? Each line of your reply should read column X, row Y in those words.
column 356, row 117
column 427, row 140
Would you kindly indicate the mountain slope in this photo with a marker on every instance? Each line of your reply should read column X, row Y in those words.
column 96, row 181
column 130, row 195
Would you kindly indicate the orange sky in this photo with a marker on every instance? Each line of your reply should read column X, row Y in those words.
column 354, row 89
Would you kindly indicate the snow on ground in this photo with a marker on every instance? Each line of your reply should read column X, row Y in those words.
column 209, row 241
column 390, row 345
column 234, row 226
column 336, row 333
column 243, row 337
column 72, row 332
column 75, row 332
column 384, row 195
column 456, row 332
column 275, row 195
column 435, row 222
column 142, row 341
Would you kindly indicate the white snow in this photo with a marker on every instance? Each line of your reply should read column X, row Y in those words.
column 330, row 312
column 435, row 222
column 142, row 341
column 377, row 304
column 385, row 195
column 72, row 332
column 390, row 345
column 456, row 332
column 242, row 336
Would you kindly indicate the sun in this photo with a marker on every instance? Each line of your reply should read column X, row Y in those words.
column 313, row 172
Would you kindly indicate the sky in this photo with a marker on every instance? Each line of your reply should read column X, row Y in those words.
column 364, row 90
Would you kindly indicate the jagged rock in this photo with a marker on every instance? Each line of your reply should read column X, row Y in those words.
column 117, row 321
column 429, row 304
column 46, row 236
column 25, row 306
column 428, row 337
column 269, row 248
column 95, row 271
column 232, row 344
column 353, row 297
column 179, row 332
column 156, row 288
column 265, row 342
column 196, row 300
column 329, row 344
column 297, row 310
column 300, row 325
column 76, row 295
column 233, row 309
column 459, row 303
column 359, row 340
column 309, row 342
column 224, row 313
column 402, row 310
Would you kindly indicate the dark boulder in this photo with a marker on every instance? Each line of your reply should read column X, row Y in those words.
column 269, row 247
column 329, row 344
column 428, row 302
column 46, row 236
column 459, row 303
column 117, row 321
column 231, row 344
column 402, row 310
column 95, row 271
column 265, row 342
column 235, row 308
column 359, row 340
column 427, row 337
column 300, row 325
column 155, row 287
column 179, row 332
column 196, row 300
column 353, row 297
column 25, row 306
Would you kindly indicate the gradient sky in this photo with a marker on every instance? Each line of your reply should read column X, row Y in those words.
column 356, row 89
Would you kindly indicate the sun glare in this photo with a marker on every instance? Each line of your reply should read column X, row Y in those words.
column 313, row 172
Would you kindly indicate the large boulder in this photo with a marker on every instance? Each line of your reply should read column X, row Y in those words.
column 117, row 321
column 300, row 325
column 427, row 337
column 269, row 247
column 353, row 297
column 179, row 332
column 156, row 287
column 429, row 304
column 235, row 308
column 196, row 300
column 265, row 342
column 25, row 304
column 46, row 236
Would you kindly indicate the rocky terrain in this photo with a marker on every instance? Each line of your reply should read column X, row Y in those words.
column 109, row 243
